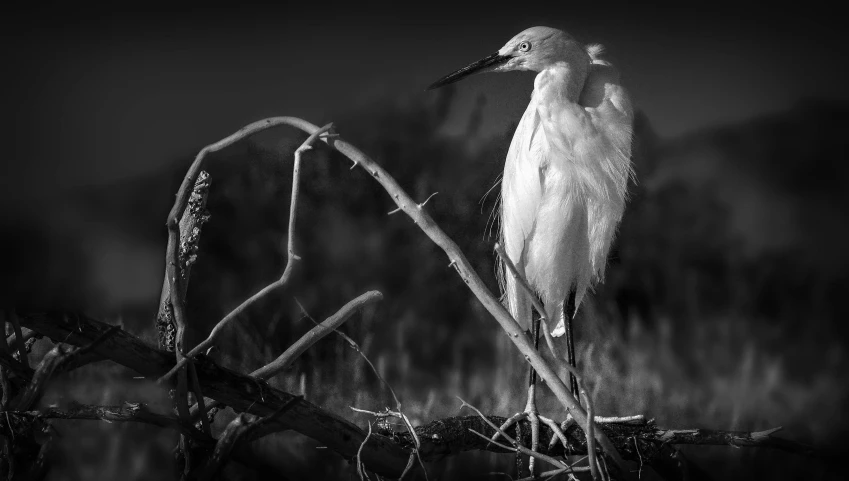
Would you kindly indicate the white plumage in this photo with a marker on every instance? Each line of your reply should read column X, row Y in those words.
column 566, row 174
column 565, row 178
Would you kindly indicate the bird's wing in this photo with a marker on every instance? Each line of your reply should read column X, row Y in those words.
column 609, row 109
column 521, row 188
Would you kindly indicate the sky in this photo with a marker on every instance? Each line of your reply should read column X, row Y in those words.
column 95, row 96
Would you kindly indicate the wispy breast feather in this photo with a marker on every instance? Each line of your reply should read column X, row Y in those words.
column 521, row 186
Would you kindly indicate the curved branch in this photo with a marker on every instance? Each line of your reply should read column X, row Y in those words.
column 291, row 256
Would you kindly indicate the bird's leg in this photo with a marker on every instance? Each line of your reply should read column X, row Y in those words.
column 531, row 407
column 530, row 412
column 569, row 314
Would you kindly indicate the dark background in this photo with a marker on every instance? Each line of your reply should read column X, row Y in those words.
column 724, row 305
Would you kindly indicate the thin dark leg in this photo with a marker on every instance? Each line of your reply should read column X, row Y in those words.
column 531, row 407
column 532, row 377
column 571, row 311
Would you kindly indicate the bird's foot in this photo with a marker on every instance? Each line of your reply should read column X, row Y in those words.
column 558, row 432
column 530, row 413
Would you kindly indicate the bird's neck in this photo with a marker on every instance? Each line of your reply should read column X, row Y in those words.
column 562, row 80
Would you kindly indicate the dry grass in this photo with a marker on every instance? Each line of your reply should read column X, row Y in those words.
column 722, row 373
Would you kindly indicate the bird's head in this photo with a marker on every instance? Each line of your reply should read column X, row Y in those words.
column 533, row 49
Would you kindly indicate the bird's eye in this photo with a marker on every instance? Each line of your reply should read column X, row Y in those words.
column 524, row 46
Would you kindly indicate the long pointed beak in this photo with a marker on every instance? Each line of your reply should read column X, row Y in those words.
column 481, row 65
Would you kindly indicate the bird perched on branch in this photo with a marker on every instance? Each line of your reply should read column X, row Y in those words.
column 565, row 179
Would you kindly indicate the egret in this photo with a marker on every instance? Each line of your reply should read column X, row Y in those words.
column 565, row 178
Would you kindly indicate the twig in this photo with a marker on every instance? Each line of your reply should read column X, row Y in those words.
column 736, row 438
column 307, row 340
column 589, row 427
column 637, row 449
column 255, row 429
column 555, row 472
column 292, row 257
column 223, row 447
column 54, row 361
column 74, row 355
column 240, row 430
column 200, row 401
column 399, row 413
column 315, row 334
column 129, row 412
column 360, row 469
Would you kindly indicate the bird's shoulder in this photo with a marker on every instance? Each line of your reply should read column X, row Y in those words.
column 603, row 92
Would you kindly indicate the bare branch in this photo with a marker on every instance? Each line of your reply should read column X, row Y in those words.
column 360, row 468
column 193, row 375
column 589, row 427
column 129, row 412
column 191, row 223
column 292, row 257
column 315, row 334
column 736, row 438
column 226, row 442
column 240, row 430
column 399, row 413
column 53, row 361
column 307, row 340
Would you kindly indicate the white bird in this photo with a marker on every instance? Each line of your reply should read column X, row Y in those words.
column 566, row 174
